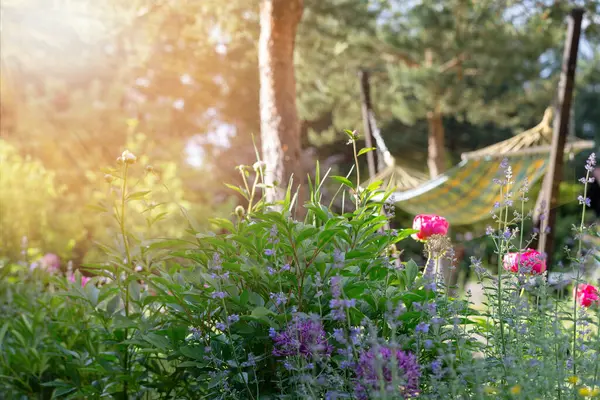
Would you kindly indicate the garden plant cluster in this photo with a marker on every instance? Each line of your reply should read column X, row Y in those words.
column 319, row 308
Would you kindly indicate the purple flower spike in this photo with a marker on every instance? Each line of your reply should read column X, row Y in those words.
column 304, row 337
column 381, row 360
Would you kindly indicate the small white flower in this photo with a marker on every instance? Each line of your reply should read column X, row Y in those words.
column 128, row 157
column 259, row 166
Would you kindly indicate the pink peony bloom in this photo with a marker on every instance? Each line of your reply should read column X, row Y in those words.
column 587, row 295
column 529, row 262
column 50, row 262
column 428, row 225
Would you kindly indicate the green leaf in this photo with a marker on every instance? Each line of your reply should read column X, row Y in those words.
column 3, row 333
column 343, row 181
column 195, row 352
column 187, row 364
column 307, row 232
column 412, row 270
column 137, row 195
column 157, row 341
column 350, row 134
column 365, row 150
column 374, row 185
column 112, row 305
column 261, row 312
column 239, row 190
column 404, row 233
column 134, row 290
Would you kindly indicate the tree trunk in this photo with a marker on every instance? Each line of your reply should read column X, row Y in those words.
column 435, row 143
column 279, row 123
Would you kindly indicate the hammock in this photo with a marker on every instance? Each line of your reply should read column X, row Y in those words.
column 467, row 193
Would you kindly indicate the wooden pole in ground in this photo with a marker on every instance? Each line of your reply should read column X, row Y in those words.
column 365, row 92
column 560, row 132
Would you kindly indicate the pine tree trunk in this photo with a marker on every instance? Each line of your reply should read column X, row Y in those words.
column 435, row 143
column 279, row 125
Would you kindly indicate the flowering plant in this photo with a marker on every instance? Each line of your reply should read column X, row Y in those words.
column 529, row 262
column 587, row 295
column 428, row 225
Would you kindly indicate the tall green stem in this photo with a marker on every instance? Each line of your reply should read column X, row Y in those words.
column 576, row 283
column 128, row 263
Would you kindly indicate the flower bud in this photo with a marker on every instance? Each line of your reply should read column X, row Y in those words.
column 239, row 211
column 128, row 157
column 259, row 166
column 149, row 168
column 109, row 178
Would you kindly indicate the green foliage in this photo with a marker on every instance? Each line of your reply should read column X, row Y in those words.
column 33, row 208
column 225, row 316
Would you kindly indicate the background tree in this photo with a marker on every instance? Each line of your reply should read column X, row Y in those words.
column 280, row 126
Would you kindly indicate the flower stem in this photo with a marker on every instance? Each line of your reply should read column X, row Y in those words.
column 127, row 262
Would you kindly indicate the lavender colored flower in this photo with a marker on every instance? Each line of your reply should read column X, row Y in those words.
column 380, row 361
column 286, row 267
column 268, row 252
column 489, row 230
column 273, row 232
column 336, row 289
column 338, row 307
column 584, row 200
column 354, row 335
column 338, row 259
column 504, row 163
column 251, row 362
column 338, row 335
column 279, row 298
column 272, row 333
column 431, row 307
column 430, row 285
column 304, row 337
column 436, row 368
column 219, row 295
column 428, row 344
column 220, row 326
column 591, row 162
column 422, row 327
column 233, row 318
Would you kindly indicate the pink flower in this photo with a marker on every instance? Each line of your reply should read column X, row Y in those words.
column 50, row 262
column 84, row 279
column 587, row 295
column 428, row 225
column 529, row 262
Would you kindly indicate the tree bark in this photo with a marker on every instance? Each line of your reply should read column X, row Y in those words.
column 279, row 123
column 435, row 143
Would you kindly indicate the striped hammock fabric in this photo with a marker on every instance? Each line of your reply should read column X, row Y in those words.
column 467, row 193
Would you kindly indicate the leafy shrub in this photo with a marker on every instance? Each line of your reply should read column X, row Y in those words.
column 274, row 307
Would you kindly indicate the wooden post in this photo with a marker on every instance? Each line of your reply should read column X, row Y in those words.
column 365, row 91
column 559, row 134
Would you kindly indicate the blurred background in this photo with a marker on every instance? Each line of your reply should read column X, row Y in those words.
column 177, row 83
